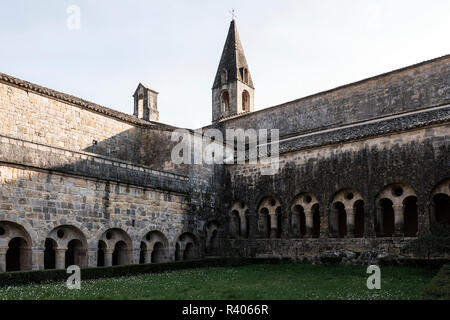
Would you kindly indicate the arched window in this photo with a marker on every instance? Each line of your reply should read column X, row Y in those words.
column 245, row 75
column 140, row 108
column 224, row 76
column 245, row 100
column 225, row 101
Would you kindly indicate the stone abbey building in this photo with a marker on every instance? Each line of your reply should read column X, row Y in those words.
column 363, row 168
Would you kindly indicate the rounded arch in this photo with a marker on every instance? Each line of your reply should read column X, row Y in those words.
column 129, row 231
column 153, row 236
column 187, row 242
column 392, row 210
column 17, row 242
column 49, row 227
column 304, row 215
column 121, row 253
column 71, row 242
column 245, row 101
column 24, row 225
column 239, row 219
column 212, row 237
column 113, row 235
column 224, row 76
column 269, row 221
column 440, row 205
column 63, row 234
column 346, row 208
column 225, row 101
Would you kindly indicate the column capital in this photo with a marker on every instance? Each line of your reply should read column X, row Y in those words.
column 108, row 250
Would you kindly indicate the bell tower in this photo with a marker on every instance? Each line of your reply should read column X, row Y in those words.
column 232, row 92
column 146, row 103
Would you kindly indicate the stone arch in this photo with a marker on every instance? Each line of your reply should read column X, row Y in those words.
column 391, row 202
column 15, row 247
column 121, row 253
column 245, row 101
column 269, row 221
column 23, row 223
column 224, row 76
column 155, row 246
column 52, row 225
column 212, row 237
column 245, row 75
column 239, row 220
column 343, row 210
column 118, row 247
column 130, row 231
column 225, row 101
column 411, row 216
column 303, row 221
column 186, row 242
column 440, row 204
column 69, row 246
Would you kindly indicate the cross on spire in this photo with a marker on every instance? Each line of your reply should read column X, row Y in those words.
column 233, row 14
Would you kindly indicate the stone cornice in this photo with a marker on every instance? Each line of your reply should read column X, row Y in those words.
column 67, row 98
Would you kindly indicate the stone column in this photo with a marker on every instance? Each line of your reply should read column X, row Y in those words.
column 324, row 223
column 60, row 258
column 295, row 229
column 253, row 226
column 423, row 218
column 243, row 225
column 369, row 221
column 308, row 223
column 3, row 258
column 334, row 223
column 108, row 253
column 398, row 219
column 148, row 256
column 273, row 225
column 379, row 223
column 285, row 223
column 350, row 212
column 181, row 254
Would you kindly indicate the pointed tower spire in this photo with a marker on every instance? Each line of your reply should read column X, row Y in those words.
column 233, row 90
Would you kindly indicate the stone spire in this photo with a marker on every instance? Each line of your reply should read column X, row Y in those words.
column 233, row 90
column 233, row 58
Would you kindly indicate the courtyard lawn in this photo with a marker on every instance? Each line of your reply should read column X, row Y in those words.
column 262, row 281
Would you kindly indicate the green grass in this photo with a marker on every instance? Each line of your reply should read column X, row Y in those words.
column 439, row 287
column 261, row 281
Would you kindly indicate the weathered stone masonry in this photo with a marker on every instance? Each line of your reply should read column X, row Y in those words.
column 363, row 171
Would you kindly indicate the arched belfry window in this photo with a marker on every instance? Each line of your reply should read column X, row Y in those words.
column 140, row 108
column 245, row 100
column 245, row 77
column 225, row 103
column 224, row 76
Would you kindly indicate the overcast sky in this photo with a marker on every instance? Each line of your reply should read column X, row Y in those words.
column 294, row 48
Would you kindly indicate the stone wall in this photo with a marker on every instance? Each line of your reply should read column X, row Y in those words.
column 41, row 201
column 416, row 158
column 38, row 118
column 416, row 87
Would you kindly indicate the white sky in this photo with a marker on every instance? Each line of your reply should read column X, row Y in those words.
column 294, row 48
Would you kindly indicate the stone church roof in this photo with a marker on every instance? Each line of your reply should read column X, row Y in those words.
column 233, row 58
column 82, row 103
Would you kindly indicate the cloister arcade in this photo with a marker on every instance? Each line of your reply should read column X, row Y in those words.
column 67, row 245
column 395, row 214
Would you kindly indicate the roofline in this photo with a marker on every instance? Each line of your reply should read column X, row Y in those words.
column 285, row 104
column 81, row 103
